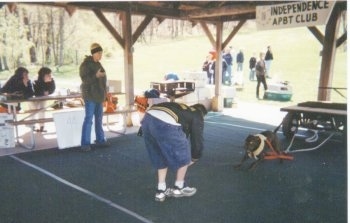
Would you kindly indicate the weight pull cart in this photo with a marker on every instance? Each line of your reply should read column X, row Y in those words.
column 315, row 116
column 174, row 89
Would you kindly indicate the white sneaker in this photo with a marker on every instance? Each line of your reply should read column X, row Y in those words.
column 162, row 194
column 183, row 192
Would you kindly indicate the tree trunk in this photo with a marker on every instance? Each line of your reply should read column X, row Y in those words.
column 4, row 60
column 32, row 50
column 61, row 37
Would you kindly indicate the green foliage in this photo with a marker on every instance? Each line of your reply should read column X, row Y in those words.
column 13, row 38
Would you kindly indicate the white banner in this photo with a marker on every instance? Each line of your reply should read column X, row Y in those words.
column 296, row 14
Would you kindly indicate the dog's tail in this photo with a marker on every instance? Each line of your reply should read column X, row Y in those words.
column 277, row 128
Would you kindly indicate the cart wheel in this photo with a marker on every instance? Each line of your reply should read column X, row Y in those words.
column 290, row 125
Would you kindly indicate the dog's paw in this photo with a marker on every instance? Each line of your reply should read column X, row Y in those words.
column 237, row 166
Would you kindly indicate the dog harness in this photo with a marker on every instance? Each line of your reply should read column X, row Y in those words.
column 261, row 146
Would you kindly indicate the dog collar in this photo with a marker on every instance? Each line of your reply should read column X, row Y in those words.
column 261, row 146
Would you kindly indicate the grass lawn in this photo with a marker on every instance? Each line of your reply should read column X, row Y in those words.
column 296, row 59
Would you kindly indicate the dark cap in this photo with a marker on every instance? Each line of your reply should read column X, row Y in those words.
column 95, row 47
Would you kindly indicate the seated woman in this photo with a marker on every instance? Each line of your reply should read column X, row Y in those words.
column 43, row 86
column 20, row 85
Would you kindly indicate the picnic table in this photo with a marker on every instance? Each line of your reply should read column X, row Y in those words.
column 315, row 116
column 54, row 100
column 174, row 89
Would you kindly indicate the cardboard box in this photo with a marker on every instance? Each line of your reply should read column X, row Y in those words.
column 199, row 78
column 203, row 93
column 69, row 127
column 7, row 137
column 228, row 91
column 114, row 86
column 4, row 117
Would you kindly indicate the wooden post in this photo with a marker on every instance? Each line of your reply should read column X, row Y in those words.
column 217, row 103
column 328, row 55
column 128, row 63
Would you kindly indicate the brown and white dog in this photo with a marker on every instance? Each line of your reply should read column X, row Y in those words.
column 255, row 147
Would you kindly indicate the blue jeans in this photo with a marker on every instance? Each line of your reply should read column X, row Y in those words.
column 166, row 144
column 252, row 74
column 92, row 109
column 267, row 67
column 239, row 66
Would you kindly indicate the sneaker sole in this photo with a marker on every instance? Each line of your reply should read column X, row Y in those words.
column 160, row 199
column 184, row 195
column 166, row 194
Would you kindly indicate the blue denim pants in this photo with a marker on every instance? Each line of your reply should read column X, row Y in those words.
column 92, row 109
column 166, row 144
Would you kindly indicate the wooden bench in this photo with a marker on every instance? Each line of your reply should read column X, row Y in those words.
column 31, row 123
column 124, row 113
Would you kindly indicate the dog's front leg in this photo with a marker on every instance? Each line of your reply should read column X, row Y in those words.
column 254, row 164
column 245, row 157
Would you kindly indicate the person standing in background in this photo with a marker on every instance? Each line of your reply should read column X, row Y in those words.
column 234, row 55
column 252, row 63
column 43, row 86
column 94, row 91
column 268, row 61
column 240, row 60
column 260, row 74
column 227, row 78
column 207, row 68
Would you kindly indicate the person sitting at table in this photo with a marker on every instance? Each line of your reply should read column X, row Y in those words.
column 19, row 86
column 43, row 86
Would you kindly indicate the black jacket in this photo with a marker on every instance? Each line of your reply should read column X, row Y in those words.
column 92, row 88
column 191, row 120
column 252, row 62
column 268, row 55
column 15, row 85
column 40, row 87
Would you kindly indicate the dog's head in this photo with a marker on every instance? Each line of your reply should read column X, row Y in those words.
column 252, row 143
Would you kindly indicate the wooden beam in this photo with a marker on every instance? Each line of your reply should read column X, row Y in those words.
column 193, row 23
column 12, row 7
column 141, row 28
column 70, row 9
column 139, row 8
column 109, row 27
column 218, row 11
column 133, row 7
column 317, row 33
column 128, row 59
column 208, row 33
column 217, row 104
column 328, row 55
column 341, row 39
column 233, row 33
